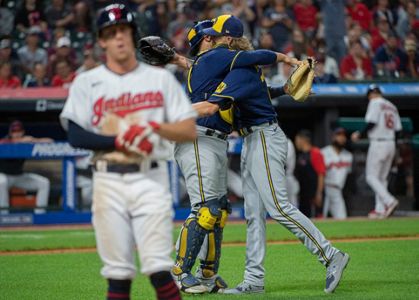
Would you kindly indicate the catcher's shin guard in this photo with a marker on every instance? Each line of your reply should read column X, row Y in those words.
column 191, row 238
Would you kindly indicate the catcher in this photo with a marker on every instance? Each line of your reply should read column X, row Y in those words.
column 263, row 172
column 206, row 174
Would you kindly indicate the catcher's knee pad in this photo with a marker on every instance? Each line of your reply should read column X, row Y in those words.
column 192, row 236
column 226, row 209
column 208, row 215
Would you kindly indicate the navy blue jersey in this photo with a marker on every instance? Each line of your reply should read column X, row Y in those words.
column 208, row 71
column 247, row 88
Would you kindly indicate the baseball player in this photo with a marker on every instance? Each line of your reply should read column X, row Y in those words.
column 293, row 187
column 127, row 112
column 206, row 174
column 383, row 126
column 338, row 163
column 263, row 172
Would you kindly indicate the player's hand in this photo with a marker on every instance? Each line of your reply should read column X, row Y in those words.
column 292, row 61
column 355, row 136
column 135, row 139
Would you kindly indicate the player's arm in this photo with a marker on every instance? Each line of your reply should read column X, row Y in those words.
column 205, row 108
column 357, row 135
column 79, row 137
column 320, row 168
column 181, row 61
column 181, row 131
column 277, row 91
column 261, row 57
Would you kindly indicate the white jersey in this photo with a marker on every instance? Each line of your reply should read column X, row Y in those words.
column 386, row 118
column 104, row 102
column 338, row 166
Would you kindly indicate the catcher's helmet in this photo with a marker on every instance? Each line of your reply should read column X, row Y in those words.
column 196, row 34
column 115, row 14
column 373, row 88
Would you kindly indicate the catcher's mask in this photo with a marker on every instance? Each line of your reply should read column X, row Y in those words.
column 226, row 25
column 196, row 34
column 116, row 14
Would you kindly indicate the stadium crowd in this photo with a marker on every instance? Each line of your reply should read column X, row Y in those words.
column 47, row 43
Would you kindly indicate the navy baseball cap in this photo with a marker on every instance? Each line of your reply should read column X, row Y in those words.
column 373, row 88
column 196, row 34
column 226, row 25
column 339, row 130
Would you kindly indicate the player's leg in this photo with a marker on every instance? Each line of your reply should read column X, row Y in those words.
column 113, row 231
column 376, row 165
column 152, row 222
column 269, row 147
column 255, row 214
column 327, row 201
column 38, row 183
column 390, row 203
column 337, row 204
column 4, row 193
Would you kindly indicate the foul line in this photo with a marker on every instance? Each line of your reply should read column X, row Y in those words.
column 228, row 244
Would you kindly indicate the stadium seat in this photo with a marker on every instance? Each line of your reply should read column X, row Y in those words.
column 19, row 198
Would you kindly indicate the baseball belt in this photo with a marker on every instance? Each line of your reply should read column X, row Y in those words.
column 250, row 129
column 109, row 167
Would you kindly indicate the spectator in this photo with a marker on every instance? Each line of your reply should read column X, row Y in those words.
column 7, row 20
column 11, row 171
column 306, row 17
column 8, row 55
column 240, row 9
column 379, row 34
column 63, row 51
column 298, row 47
column 178, row 30
column 266, row 42
column 355, row 33
column 279, row 21
column 407, row 20
column 322, row 76
column 390, row 60
column 309, row 171
column 412, row 58
column 31, row 53
column 330, row 67
column 38, row 77
column 82, row 17
column 58, row 14
column 360, row 14
column 356, row 65
column 90, row 61
column 64, row 74
column 338, row 163
column 7, row 79
column 333, row 15
column 30, row 15
column 382, row 11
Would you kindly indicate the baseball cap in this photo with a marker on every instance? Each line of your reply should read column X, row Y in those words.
column 226, row 25
column 339, row 130
column 373, row 88
column 34, row 30
column 5, row 43
column 16, row 126
column 63, row 42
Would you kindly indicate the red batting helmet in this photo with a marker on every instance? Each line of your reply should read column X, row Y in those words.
column 115, row 14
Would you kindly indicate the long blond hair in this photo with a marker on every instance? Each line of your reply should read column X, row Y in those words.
column 241, row 43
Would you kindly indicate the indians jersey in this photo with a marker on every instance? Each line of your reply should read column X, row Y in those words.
column 338, row 166
column 386, row 118
column 106, row 103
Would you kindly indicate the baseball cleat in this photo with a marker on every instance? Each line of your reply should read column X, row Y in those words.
column 335, row 270
column 391, row 208
column 244, row 288
column 188, row 283
column 375, row 215
column 215, row 284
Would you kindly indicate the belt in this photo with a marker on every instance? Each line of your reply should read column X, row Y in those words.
column 248, row 130
column 217, row 134
column 382, row 140
column 108, row 167
column 335, row 186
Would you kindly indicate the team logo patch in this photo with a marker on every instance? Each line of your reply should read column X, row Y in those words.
column 221, row 87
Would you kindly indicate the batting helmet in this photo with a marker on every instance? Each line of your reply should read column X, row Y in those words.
column 196, row 34
column 115, row 14
column 373, row 88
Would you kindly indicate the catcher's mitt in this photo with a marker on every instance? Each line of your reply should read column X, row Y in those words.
column 155, row 51
column 301, row 80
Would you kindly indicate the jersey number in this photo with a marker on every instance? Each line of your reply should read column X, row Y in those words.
column 389, row 119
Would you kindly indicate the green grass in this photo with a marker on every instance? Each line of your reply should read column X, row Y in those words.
column 378, row 270
column 82, row 238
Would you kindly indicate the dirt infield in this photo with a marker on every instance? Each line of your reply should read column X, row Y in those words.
column 233, row 244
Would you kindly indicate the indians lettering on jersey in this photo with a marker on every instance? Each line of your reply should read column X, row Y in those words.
column 126, row 104
column 338, row 165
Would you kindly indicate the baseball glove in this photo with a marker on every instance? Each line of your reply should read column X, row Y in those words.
column 301, row 80
column 155, row 51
